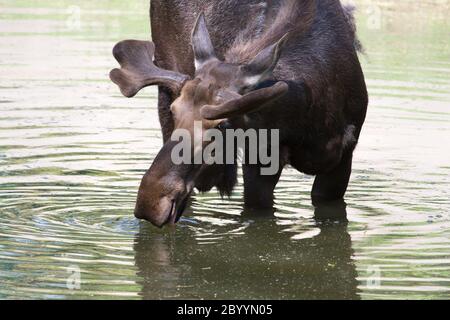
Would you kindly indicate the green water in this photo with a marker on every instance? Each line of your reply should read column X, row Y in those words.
column 73, row 150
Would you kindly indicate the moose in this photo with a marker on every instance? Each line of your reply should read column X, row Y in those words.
column 290, row 65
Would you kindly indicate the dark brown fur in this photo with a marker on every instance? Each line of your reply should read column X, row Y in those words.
column 294, row 17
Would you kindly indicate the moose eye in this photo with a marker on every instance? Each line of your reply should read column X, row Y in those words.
column 245, row 89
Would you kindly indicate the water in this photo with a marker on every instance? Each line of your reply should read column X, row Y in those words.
column 72, row 152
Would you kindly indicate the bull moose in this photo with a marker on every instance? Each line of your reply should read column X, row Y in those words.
column 290, row 65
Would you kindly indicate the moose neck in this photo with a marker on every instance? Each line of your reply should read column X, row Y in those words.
column 172, row 22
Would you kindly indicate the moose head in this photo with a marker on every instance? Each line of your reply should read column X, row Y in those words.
column 219, row 92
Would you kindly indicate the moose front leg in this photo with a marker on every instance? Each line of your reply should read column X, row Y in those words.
column 333, row 185
column 259, row 189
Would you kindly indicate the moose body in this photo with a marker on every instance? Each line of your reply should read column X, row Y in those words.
column 291, row 64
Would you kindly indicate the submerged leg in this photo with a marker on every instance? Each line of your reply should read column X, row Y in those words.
column 333, row 185
column 330, row 210
column 258, row 189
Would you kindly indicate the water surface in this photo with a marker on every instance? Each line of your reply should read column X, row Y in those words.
column 73, row 150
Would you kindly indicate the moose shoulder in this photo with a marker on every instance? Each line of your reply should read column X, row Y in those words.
column 290, row 65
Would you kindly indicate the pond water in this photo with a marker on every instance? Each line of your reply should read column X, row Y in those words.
column 73, row 150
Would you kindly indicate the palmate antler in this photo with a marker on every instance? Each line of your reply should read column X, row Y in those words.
column 138, row 70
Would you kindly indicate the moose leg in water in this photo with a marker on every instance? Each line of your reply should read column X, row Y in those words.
column 333, row 185
column 258, row 189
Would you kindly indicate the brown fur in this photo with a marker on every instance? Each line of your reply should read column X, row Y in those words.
column 293, row 17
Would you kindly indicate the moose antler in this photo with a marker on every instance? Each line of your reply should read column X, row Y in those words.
column 138, row 70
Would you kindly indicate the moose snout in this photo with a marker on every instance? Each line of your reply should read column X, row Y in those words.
column 159, row 214
column 156, row 201
column 163, row 191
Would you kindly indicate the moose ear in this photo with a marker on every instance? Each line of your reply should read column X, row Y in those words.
column 201, row 43
column 262, row 66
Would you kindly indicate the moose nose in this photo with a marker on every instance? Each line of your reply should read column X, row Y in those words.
column 139, row 213
column 159, row 215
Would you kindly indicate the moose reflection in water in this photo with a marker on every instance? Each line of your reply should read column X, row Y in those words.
column 229, row 265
